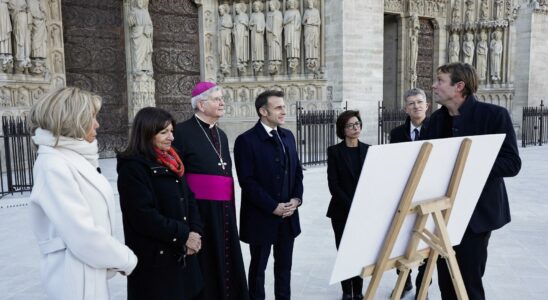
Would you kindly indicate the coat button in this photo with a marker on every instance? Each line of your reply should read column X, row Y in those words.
column 154, row 171
column 176, row 180
column 184, row 219
column 161, row 252
column 175, row 239
column 276, row 159
column 278, row 177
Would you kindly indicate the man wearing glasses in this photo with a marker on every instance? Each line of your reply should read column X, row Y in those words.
column 203, row 148
column 416, row 122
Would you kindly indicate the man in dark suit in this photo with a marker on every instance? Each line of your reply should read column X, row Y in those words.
column 463, row 115
column 271, row 178
column 415, row 107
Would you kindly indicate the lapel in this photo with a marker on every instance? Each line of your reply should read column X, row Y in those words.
column 94, row 178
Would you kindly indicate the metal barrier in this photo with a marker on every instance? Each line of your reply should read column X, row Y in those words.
column 534, row 129
column 389, row 118
column 316, row 131
column 19, row 156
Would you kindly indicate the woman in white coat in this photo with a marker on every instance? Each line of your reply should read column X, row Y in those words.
column 72, row 204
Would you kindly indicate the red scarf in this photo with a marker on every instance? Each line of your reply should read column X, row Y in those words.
column 170, row 160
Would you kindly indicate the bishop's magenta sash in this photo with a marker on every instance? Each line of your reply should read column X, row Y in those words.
column 211, row 187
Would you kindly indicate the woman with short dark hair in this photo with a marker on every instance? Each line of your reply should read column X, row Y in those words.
column 161, row 219
column 344, row 165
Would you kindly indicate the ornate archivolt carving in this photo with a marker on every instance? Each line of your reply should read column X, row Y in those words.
column 393, row 5
column 429, row 8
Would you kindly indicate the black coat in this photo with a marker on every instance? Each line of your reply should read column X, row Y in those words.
column 159, row 212
column 402, row 133
column 260, row 174
column 342, row 179
column 476, row 118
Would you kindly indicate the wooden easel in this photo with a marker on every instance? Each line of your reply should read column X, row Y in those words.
column 439, row 242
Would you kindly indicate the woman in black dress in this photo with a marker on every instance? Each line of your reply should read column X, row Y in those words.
column 344, row 165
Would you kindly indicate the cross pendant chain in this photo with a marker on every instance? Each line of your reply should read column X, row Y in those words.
column 221, row 163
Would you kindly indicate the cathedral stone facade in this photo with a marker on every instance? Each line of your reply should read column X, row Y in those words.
column 321, row 53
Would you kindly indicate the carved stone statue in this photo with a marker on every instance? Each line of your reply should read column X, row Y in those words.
column 274, row 26
column 454, row 47
column 54, row 6
column 484, row 10
column 241, row 36
column 292, row 34
column 257, row 25
column 496, row 54
column 39, row 31
column 5, row 37
column 481, row 55
column 414, row 47
column 455, row 14
column 225, row 38
column 469, row 14
column 141, row 31
column 499, row 9
column 21, row 32
column 468, row 47
column 311, row 23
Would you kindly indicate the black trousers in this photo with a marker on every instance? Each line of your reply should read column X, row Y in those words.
column 353, row 285
column 471, row 257
column 283, row 259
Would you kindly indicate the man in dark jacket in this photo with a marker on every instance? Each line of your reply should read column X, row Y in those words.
column 463, row 115
column 271, row 179
column 416, row 122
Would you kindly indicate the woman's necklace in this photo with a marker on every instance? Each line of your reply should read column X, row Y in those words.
column 221, row 163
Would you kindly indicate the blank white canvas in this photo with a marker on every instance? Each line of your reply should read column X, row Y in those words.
column 382, row 181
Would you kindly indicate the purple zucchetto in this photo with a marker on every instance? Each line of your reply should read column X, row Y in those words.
column 200, row 88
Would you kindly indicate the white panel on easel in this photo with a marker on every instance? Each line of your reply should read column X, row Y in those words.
column 382, row 181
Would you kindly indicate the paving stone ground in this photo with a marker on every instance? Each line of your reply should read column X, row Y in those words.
column 517, row 267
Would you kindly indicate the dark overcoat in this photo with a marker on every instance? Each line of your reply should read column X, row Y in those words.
column 159, row 212
column 476, row 118
column 342, row 179
column 260, row 174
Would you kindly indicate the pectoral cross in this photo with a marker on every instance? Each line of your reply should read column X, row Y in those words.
column 221, row 163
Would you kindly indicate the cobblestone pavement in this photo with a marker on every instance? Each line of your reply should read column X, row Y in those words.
column 517, row 267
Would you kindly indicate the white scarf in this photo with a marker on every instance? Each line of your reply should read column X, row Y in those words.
column 88, row 150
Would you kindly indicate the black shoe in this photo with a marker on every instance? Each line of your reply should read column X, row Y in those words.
column 346, row 296
column 358, row 297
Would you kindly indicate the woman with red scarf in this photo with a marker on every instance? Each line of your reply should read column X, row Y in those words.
column 161, row 220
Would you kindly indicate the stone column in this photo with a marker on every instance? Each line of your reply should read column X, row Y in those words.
column 355, row 61
column 207, row 10
column 138, row 43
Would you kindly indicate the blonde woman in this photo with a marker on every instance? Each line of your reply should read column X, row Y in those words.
column 72, row 204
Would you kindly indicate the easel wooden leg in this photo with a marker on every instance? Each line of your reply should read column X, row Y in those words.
column 430, row 264
column 400, row 284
